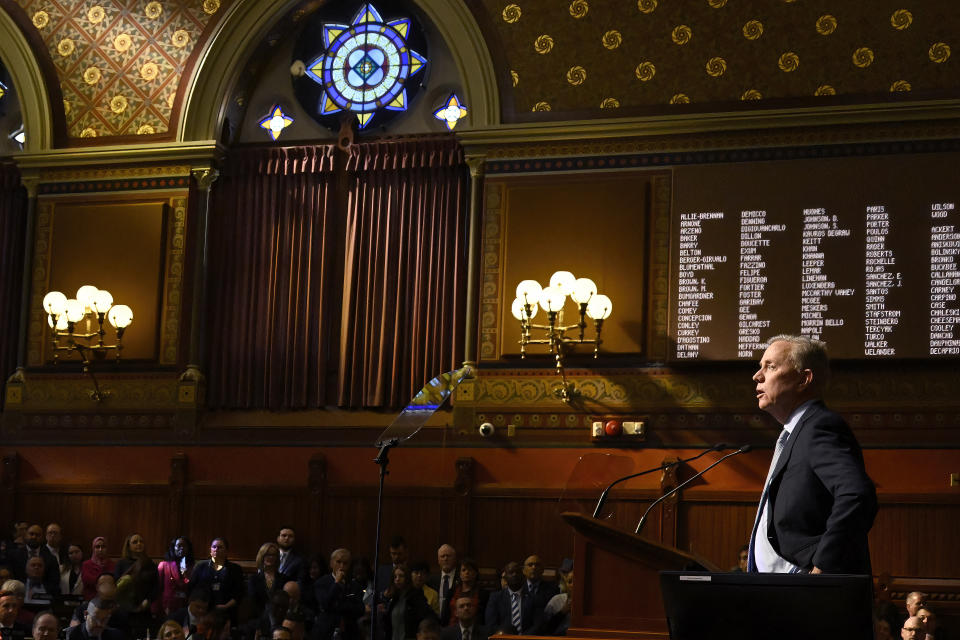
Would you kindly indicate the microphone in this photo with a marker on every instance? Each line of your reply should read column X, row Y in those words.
column 744, row 449
column 720, row 446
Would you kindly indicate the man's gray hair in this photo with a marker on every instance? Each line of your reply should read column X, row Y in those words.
column 807, row 353
column 15, row 587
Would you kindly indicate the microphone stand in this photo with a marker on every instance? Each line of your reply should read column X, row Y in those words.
column 664, row 465
column 382, row 459
column 744, row 449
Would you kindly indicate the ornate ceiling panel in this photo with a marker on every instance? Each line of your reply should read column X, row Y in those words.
column 120, row 62
column 597, row 58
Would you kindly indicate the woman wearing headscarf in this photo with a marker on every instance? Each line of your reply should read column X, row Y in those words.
column 96, row 565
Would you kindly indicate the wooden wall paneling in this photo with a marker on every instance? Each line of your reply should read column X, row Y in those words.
column 916, row 540
column 9, row 477
column 312, row 536
column 511, row 527
column 113, row 512
column 460, row 521
column 178, row 481
column 247, row 516
column 715, row 530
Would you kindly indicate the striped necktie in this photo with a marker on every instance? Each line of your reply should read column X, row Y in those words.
column 515, row 618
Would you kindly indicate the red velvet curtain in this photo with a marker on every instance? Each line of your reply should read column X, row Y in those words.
column 13, row 216
column 404, row 275
column 272, row 279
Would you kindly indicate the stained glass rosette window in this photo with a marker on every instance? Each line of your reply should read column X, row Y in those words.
column 366, row 66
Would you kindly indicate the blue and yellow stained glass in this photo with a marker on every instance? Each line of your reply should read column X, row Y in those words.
column 365, row 65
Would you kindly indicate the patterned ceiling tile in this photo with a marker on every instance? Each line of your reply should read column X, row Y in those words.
column 120, row 62
column 563, row 58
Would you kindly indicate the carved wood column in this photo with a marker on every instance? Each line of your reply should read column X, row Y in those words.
column 462, row 507
column 473, row 261
column 317, row 489
column 178, row 483
column 9, row 479
column 668, row 508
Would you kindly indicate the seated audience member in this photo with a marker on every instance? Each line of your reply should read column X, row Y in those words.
column 294, row 623
column 913, row 629
column 17, row 588
column 566, row 566
column 428, row 629
column 222, row 579
column 540, row 591
column 886, row 618
column 468, row 586
column 37, row 597
column 96, row 623
column 405, row 607
column 70, row 582
column 46, row 626
column 339, row 600
column 272, row 617
column 929, row 621
column 418, row 577
column 398, row 556
column 266, row 581
column 915, row 600
column 742, row 557
column 171, row 630
column 280, row 633
column 316, row 568
column 512, row 605
column 556, row 615
column 95, row 566
column 34, row 547
column 106, row 592
column 19, row 533
column 189, row 616
column 296, row 608
column 447, row 581
column 363, row 574
column 467, row 626
column 175, row 573
column 10, row 601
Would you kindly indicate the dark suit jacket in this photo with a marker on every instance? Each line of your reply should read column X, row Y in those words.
column 477, row 632
column 337, row 603
column 80, row 633
column 51, row 567
column 822, row 503
column 497, row 616
column 295, row 567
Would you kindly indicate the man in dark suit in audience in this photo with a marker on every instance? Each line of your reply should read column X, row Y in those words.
column 512, row 609
column 339, row 600
column 292, row 563
column 10, row 629
column 468, row 626
column 34, row 546
column 399, row 555
column 95, row 624
column 540, row 590
column 446, row 583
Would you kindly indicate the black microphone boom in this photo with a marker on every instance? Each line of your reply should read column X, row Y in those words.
column 744, row 449
column 720, row 446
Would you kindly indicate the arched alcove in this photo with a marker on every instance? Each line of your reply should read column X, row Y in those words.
column 247, row 22
column 29, row 83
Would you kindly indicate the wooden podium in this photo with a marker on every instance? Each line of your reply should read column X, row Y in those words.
column 616, row 592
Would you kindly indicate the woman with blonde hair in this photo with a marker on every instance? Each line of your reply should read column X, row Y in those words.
column 267, row 580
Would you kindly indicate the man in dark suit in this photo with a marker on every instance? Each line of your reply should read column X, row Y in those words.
column 540, row 590
column 292, row 564
column 339, row 600
column 33, row 547
column 818, row 503
column 10, row 629
column 513, row 604
column 468, row 627
column 95, row 625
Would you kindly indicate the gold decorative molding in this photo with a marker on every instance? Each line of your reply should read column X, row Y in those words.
column 490, row 296
column 40, row 280
column 170, row 154
column 112, row 173
column 70, row 392
column 937, row 120
column 172, row 300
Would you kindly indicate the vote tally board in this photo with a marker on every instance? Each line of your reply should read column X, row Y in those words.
column 860, row 252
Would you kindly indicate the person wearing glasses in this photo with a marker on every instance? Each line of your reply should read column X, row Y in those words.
column 913, row 629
